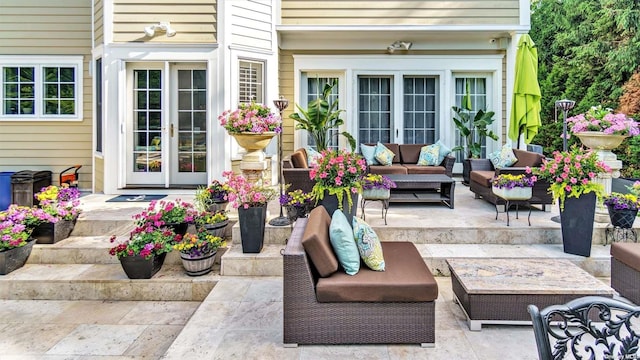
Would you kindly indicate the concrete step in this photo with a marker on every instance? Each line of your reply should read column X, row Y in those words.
column 269, row 261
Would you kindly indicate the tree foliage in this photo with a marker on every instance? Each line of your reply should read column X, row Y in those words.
column 587, row 51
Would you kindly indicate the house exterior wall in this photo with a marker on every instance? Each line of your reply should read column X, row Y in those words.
column 196, row 20
column 251, row 24
column 59, row 29
column 98, row 22
column 394, row 12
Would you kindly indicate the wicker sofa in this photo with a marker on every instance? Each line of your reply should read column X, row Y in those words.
column 372, row 307
column 482, row 171
column 625, row 270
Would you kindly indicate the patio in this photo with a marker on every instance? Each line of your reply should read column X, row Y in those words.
column 242, row 316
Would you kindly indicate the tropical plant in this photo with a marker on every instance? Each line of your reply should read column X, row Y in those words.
column 603, row 120
column 199, row 244
column 376, row 181
column 571, row 173
column 510, row 181
column 320, row 117
column 473, row 130
column 160, row 213
column 216, row 192
column 620, row 201
column 146, row 241
column 243, row 193
column 338, row 172
column 253, row 117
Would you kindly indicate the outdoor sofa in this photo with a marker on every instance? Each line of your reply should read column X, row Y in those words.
column 482, row 171
column 324, row 305
column 625, row 270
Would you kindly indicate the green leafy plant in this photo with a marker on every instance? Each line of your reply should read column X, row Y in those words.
column 320, row 117
column 472, row 129
column 338, row 172
column 216, row 192
column 146, row 241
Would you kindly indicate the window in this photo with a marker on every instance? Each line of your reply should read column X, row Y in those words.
column 315, row 86
column 98, row 101
column 478, row 95
column 374, row 109
column 251, row 81
column 36, row 90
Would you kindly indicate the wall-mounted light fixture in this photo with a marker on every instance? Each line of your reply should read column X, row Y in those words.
column 398, row 45
column 150, row 31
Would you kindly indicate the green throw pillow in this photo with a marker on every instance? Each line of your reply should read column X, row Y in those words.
column 368, row 244
column 343, row 243
column 384, row 155
column 369, row 152
column 429, row 155
column 504, row 157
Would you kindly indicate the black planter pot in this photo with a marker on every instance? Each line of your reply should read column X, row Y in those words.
column 330, row 202
column 15, row 258
column 577, row 224
column 137, row 267
column 252, row 222
column 622, row 218
column 178, row 228
column 51, row 233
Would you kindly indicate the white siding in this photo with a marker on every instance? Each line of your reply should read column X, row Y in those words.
column 251, row 23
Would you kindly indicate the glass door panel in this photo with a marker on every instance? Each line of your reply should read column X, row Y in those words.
column 420, row 113
column 374, row 109
column 191, row 125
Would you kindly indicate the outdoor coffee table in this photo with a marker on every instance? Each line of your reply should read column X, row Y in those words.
column 422, row 188
column 498, row 291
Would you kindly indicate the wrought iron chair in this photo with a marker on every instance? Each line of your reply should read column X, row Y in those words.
column 590, row 327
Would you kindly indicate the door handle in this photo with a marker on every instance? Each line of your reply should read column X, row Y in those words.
column 171, row 130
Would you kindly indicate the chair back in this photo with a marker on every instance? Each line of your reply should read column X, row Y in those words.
column 592, row 327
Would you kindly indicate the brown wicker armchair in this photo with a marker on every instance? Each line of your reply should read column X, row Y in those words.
column 295, row 171
column 482, row 171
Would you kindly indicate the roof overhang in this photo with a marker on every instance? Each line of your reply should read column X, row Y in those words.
column 307, row 37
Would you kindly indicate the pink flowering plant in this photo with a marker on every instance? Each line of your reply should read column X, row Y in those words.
column 245, row 194
column 605, row 121
column 338, row 172
column 160, row 213
column 571, row 173
column 60, row 202
column 146, row 241
column 13, row 234
column 253, row 117
column 510, row 181
column 28, row 216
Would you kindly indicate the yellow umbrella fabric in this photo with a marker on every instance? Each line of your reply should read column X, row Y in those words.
column 525, row 107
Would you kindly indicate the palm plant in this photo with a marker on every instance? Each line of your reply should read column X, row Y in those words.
column 320, row 117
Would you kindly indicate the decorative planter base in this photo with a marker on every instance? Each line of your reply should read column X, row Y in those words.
column 15, row 258
column 137, row 267
column 50, row 233
column 198, row 266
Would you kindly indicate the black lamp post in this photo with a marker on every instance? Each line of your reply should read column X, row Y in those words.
column 565, row 105
column 281, row 220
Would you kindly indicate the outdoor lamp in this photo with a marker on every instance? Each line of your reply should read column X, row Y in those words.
column 565, row 105
column 281, row 220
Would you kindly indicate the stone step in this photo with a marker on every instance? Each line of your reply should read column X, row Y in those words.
column 103, row 282
column 269, row 261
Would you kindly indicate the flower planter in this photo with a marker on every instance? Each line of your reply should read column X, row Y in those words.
column 252, row 223
column 200, row 265
column 138, row 267
column 217, row 206
column 217, row 229
column 51, row 233
column 622, row 218
column 254, row 143
column 178, row 228
column 576, row 220
column 376, row 194
column 516, row 193
column 15, row 258
column 295, row 212
column 330, row 202
column 600, row 141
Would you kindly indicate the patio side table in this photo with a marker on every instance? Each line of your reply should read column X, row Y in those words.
column 508, row 203
column 383, row 198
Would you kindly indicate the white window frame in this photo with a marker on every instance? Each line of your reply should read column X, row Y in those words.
column 489, row 105
column 302, row 136
column 40, row 62
column 260, row 83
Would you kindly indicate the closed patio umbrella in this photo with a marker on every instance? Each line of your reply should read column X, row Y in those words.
column 525, row 107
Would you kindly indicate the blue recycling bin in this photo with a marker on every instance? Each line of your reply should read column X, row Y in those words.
column 5, row 189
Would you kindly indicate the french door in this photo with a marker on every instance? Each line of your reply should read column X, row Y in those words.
column 166, row 128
